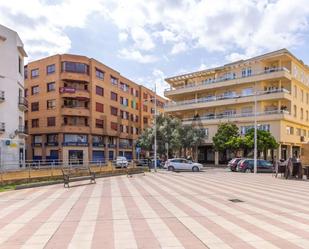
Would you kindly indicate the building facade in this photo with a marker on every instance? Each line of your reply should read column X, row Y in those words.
column 227, row 94
column 80, row 109
column 12, row 101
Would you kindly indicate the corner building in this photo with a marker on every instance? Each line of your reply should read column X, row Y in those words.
column 227, row 94
column 80, row 109
column 12, row 101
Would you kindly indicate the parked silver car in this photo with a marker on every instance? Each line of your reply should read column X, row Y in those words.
column 182, row 164
column 121, row 162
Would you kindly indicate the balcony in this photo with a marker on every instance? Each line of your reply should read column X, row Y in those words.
column 273, row 73
column 23, row 103
column 2, row 127
column 125, row 146
column 71, row 92
column 71, row 128
column 2, row 96
column 22, row 130
column 76, row 77
column 112, row 146
column 222, row 100
column 246, row 117
column 75, row 111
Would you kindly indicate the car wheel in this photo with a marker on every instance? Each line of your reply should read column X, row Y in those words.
column 247, row 170
column 195, row 169
column 170, row 168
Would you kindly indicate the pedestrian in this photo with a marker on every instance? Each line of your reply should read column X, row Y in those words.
column 275, row 166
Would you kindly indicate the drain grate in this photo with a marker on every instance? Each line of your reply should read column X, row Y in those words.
column 235, row 200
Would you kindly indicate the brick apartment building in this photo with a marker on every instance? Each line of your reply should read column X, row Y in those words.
column 81, row 109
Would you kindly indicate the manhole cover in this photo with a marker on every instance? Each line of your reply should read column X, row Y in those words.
column 235, row 200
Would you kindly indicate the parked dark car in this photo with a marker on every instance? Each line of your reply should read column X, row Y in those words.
column 247, row 165
column 233, row 163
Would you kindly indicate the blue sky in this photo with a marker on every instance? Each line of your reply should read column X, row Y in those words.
column 148, row 41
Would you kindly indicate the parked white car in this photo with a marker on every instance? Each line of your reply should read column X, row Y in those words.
column 182, row 164
column 121, row 162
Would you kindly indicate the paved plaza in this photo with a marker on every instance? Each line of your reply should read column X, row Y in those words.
column 160, row 210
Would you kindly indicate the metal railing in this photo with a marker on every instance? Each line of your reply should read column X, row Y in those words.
column 22, row 129
column 2, row 96
column 23, row 101
column 239, row 115
column 222, row 79
column 224, row 97
column 2, row 126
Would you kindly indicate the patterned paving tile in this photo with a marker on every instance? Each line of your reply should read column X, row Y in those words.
column 160, row 210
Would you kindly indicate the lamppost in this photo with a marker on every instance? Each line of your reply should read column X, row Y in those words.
column 255, row 129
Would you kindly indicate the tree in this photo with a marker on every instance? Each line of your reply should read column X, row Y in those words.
column 227, row 138
column 265, row 141
column 171, row 131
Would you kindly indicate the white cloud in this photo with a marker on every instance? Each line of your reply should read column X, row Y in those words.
column 179, row 47
column 235, row 28
column 136, row 55
column 42, row 24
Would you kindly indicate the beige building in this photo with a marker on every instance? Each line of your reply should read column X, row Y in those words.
column 81, row 109
column 227, row 94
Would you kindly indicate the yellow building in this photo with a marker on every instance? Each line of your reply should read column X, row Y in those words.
column 82, row 109
column 227, row 94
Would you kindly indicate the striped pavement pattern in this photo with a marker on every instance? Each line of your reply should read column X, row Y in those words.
column 160, row 210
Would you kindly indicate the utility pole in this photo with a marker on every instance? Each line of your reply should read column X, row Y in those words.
column 255, row 129
column 155, row 127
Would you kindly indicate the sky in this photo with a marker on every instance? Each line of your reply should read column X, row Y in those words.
column 150, row 40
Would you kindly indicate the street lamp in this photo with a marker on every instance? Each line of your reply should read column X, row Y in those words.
column 255, row 129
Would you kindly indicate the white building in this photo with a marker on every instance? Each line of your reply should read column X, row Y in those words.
column 12, row 101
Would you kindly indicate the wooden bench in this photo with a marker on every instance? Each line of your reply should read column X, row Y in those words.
column 76, row 173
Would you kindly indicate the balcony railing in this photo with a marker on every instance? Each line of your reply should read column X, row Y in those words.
column 125, row 146
column 222, row 79
column 238, row 115
column 223, row 97
column 2, row 96
column 2, row 127
column 23, row 102
column 22, row 129
column 98, row 144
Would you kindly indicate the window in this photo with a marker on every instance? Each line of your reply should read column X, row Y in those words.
column 20, row 65
column 75, row 138
column 114, row 96
column 51, row 121
column 99, row 107
column 35, row 123
column 26, row 72
column 295, row 91
column 99, row 74
column 124, row 115
column 99, row 91
column 298, row 131
column 145, row 108
column 52, row 138
column 124, row 101
column 289, row 130
column 295, row 111
column 134, row 92
column 35, row 90
column 114, row 126
column 145, row 120
column 75, row 67
column 301, row 113
column 145, row 95
column 99, row 123
column 124, row 87
column 302, row 95
column 37, row 139
column 114, row 80
column 51, row 87
column 26, row 92
column 35, row 106
column 51, row 104
column 35, row 73
column 114, row 111
column 50, row 69
column 136, row 131
column 247, row 91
